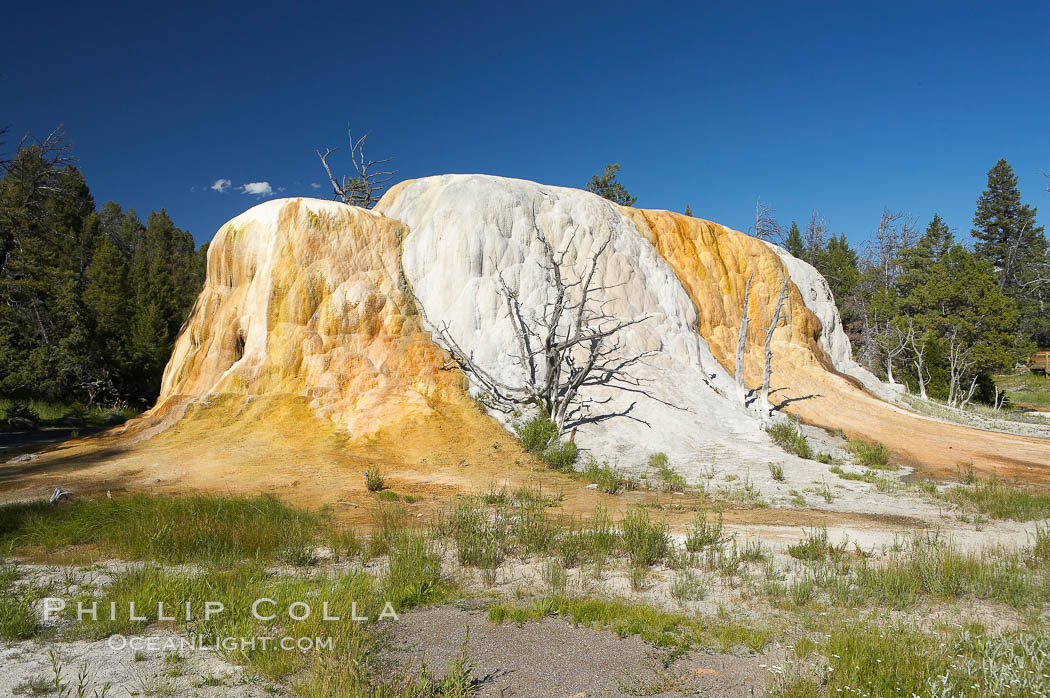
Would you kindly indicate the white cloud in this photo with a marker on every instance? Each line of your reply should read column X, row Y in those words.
column 315, row 185
column 258, row 189
column 221, row 185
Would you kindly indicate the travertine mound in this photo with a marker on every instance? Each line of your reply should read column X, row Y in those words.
column 317, row 299
column 337, row 306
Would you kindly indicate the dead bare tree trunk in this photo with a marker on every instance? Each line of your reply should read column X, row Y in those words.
column 766, row 226
column 741, row 343
column 893, row 343
column 960, row 364
column 364, row 189
column 895, row 232
column 814, row 236
column 918, row 350
column 768, row 347
column 568, row 344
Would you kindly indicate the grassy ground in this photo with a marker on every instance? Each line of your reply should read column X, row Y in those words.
column 854, row 622
column 1026, row 389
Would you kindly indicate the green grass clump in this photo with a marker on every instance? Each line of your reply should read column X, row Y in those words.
column 647, row 542
column 17, row 617
column 536, row 434
column 933, row 568
column 539, row 436
column 881, row 484
column 776, row 471
column 1000, row 500
column 875, row 659
column 414, row 570
column 609, row 480
column 374, row 479
column 788, row 437
column 1041, row 549
column 560, row 455
column 687, row 585
column 391, row 496
column 671, row 479
column 172, row 530
column 665, row 629
column 871, row 454
column 481, row 539
column 533, row 531
column 703, row 533
column 813, row 547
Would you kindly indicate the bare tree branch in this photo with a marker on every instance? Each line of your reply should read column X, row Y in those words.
column 960, row 368
column 765, row 226
column 896, row 232
column 815, row 235
column 569, row 343
column 741, row 342
column 768, row 346
column 917, row 342
column 364, row 189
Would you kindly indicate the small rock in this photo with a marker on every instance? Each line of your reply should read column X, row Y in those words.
column 71, row 421
column 21, row 423
column 24, row 458
column 592, row 486
column 60, row 495
column 114, row 419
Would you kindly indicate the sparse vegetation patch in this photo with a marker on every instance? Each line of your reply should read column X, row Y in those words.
column 789, row 437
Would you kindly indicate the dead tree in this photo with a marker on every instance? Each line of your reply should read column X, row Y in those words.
column 569, row 343
column 960, row 366
column 815, row 235
column 365, row 189
column 895, row 233
column 916, row 341
column 741, row 343
column 765, row 226
column 768, row 371
column 893, row 343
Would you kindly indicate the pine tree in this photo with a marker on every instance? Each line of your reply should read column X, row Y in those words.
column 606, row 186
column 959, row 297
column 1008, row 236
column 793, row 242
column 916, row 262
column 43, row 205
column 106, row 299
column 689, row 210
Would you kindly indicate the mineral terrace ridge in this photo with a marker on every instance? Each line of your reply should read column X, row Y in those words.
column 335, row 307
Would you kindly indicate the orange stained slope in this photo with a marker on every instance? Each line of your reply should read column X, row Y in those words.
column 713, row 262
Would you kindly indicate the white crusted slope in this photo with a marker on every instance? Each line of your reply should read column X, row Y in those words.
column 463, row 230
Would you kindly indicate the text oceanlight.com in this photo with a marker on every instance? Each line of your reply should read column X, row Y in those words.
column 202, row 643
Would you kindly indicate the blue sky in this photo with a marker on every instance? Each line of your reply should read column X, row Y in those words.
column 840, row 106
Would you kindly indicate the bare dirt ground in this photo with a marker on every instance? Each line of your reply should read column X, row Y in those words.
column 552, row 658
